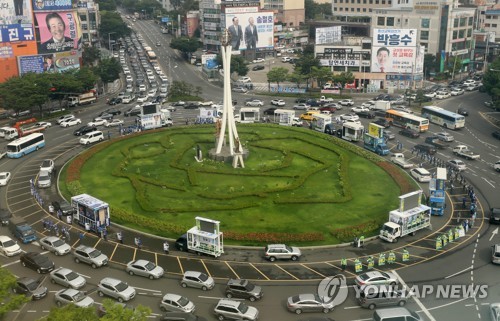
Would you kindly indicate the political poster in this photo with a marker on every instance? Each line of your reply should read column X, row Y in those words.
column 52, row 5
column 16, row 22
column 59, row 31
column 394, row 51
column 67, row 60
column 250, row 29
column 36, row 63
column 328, row 35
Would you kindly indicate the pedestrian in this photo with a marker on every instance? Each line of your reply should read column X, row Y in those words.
column 343, row 264
column 59, row 214
column 109, row 135
column 105, row 233
column 397, row 145
column 87, row 227
column 66, row 234
column 464, row 200
column 81, row 236
column 51, row 209
column 166, row 247
column 69, row 219
column 138, row 242
column 119, row 236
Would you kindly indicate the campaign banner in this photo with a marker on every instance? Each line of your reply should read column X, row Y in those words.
column 36, row 63
column 16, row 22
column 395, row 37
column 67, row 60
column 394, row 50
column 250, row 30
column 328, row 35
column 52, row 5
column 59, row 31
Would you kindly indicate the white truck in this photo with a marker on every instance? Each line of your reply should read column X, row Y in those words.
column 204, row 238
column 324, row 99
column 381, row 105
column 83, row 99
column 410, row 217
column 399, row 159
column 465, row 152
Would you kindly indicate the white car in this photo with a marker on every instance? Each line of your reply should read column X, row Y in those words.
column 47, row 165
column 359, row 109
column 142, row 98
column 285, row 59
column 129, row 78
column 349, row 117
column 114, row 122
column 151, row 92
column 430, row 95
column 442, row 95
column 71, row 122
column 9, row 247
column 301, row 106
column 457, row 92
column 206, row 103
column 278, row 102
column 445, row 137
column 45, row 124
column 4, row 178
column 72, row 296
column 346, row 102
column 255, row 103
column 149, row 72
column 142, row 87
column 258, row 60
column 64, row 118
column 245, row 79
column 368, row 104
column 97, row 122
column 457, row 164
column 144, row 268
column 240, row 90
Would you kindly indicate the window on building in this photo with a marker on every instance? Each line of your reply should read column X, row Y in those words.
column 424, row 35
column 341, row 9
column 461, row 33
column 390, row 21
column 358, row 1
column 471, row 21
column 364, row 9
column 370, row 10
column 358, row 9
column 487, row 25
column 381, row 21
column 376, row 1
column 425, row 23
column 488, row 17
column 83, row 18
column 469, row 32
column 334, row 8
column 468, row 44
column 455, row 23
column 370, row 2
column 494, row 25
column 462, row 22
column 352, row 9
column 383, row 1
column 455, row 34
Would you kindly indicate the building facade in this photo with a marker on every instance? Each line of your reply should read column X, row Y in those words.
column 90, row 19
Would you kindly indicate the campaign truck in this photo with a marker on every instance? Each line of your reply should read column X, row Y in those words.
column 323, row 123
column 22, row 230
column 284, row 117
column 381, row 105
column 204, row 238
column 249, row 115
column 399, row 159
column 23, row 128
column 91, row 213
column 374, row 139
column 83, row 99
column 463, row 151
column 410, row 217
column 352, row 131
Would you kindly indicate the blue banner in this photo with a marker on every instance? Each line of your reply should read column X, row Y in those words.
column 52, row 5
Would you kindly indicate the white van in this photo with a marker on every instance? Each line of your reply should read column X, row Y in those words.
column 2, row 131
column 92, row 137
column 395, row 314
column 495, row 254
column 421, row 174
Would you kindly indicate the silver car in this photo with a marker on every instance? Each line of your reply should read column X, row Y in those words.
column 176, row 303
column 197, row 280
column 115, row 289
column 55, row 245
column 72, row 296
column 144, row 268
column 282, row 251
column 235, row 310
column 67, row 278
column 376, row 278
column 90, row 256
column 308, row 303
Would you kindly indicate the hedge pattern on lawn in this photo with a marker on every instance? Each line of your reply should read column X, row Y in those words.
column 255, row 138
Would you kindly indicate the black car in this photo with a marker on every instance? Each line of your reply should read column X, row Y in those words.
column 383, row 122
column 104, row 115
column 37, row 262
column 409, row 133
column 366, row 114
column 132, row 112
column 192, row 105
column 258, row 67
column 269, row 111
column 113, row 111
column 462, row 111
column 422, row 99
column 496, row 134
column 114, row 101
column 84, row 130
column 30, row 288
column 301, row 100
column 64, row 207
column 425, row 148
column 495, row 215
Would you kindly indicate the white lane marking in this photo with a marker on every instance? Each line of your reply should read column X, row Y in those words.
column 150, row 290
column 488, row 182
column 493, row 233
column 417, row 300
column 11, row 263
column 459, row 272
column 356, row 307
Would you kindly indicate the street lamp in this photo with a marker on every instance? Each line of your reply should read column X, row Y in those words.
column 109, row 42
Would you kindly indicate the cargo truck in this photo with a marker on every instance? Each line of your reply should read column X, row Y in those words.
column 352, row 131
column 410, row 217
column 399, row 159
column 381, row 105
column 204, row 238
column 323, row 123
column 374, row 139
column 83, row 99
column 463, row 151
column 22, row 230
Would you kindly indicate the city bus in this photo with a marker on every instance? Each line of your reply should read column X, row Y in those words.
column 151, row 55
column 406, row 120
column 25, row 145
column 442, row 117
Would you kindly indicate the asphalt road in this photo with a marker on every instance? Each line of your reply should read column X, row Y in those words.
column 464, row 264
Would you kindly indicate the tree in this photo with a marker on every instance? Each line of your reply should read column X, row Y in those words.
column 9, row 301
column 297, row 77
column 306, row 62
column 181, row 88
column 429, row 64
column 108, row 70
column 239, row 65
column 112, row 25
column 117, row 312
column 491, row 82
column 72, row 312
column 454, row 65
column 277, row 75
column 88, row 78
column 321, row 74
column 344, row 78
column 90, row 56
column 185, row 45
column 314, row 10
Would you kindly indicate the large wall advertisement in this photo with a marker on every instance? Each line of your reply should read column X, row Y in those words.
column 16, row 23
column 59, row 31
column 52, row 5
column 394, row 51
column 249, row 28
column 328, row 35
column 58, row 62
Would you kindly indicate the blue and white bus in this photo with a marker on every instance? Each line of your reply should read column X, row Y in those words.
column 442, row 117
column 25, row 145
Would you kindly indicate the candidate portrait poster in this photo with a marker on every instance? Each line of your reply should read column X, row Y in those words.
column 36, row 63
column 59, row 31
column 394, row 51
column 16, row 23
column 250, row 29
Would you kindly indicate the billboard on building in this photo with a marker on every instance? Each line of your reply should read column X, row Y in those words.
column 59, row 31
column 67, row 60
column 328, row 35
column 394, row 50
column 16, row 22
column 249, row 28
column 58, row 62
column 51, row 5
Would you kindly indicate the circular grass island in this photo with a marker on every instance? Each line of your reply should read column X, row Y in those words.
column 298, row 186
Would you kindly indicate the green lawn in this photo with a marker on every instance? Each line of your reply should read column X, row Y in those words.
column 290, row 183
